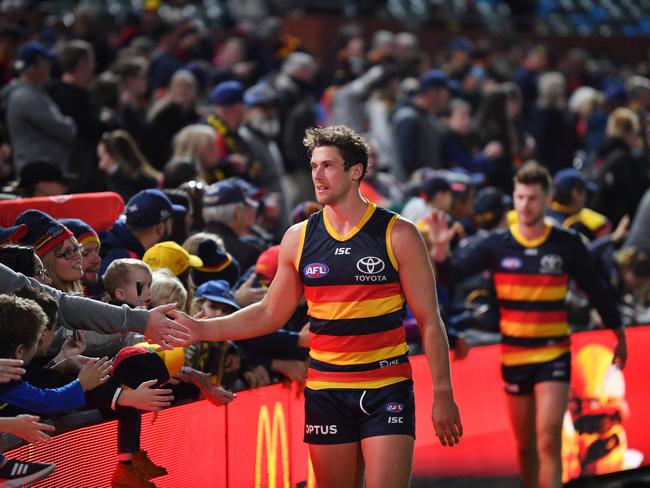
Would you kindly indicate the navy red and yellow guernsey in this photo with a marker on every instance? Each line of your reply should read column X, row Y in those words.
column 531, row 279
column 355, row 303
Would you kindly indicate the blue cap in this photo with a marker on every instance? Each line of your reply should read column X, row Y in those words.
column 226, row 192
column 567, row 179
column 217, row 291
column 30, row 54
column 150, row 207
column 435, row 78
column 12, row 233
column 227, row 93
column 260, row 94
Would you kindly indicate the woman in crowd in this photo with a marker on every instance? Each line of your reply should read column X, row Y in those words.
column 128, row 170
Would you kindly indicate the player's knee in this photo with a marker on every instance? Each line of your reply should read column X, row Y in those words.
column 549, row 444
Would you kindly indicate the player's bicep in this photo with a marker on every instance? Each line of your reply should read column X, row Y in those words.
column 286, row 289
column 416, row 274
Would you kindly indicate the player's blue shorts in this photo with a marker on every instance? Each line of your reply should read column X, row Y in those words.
column 521, row 379
column 338, row 416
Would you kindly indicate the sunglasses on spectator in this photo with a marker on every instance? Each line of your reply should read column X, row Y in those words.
column 40, row 273
column 71, row 252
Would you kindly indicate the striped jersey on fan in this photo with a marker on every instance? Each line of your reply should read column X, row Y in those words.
column 355, row 303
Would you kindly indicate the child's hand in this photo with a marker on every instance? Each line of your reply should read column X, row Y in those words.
column 74, row 345
column 10, row 370
column 27, row 427
column 293, row 369
column 146, row 398
column 217, row 395
column 95, row 373
column 257, row 377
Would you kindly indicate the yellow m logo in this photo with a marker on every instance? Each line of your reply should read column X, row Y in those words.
column 268, row 434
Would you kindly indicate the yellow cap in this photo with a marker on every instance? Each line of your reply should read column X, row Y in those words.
column 171, row 256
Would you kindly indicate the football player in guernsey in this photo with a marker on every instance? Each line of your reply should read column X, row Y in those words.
column 357, row 265
column 532, row 262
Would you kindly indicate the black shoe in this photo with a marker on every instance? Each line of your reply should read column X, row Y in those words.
column 17, row 473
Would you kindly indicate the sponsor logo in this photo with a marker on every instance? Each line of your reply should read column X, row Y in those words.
column 551, row 264
column 388, row 362
column 339, row 251
column 395, row 420
column 530, row 252
column 394, row 407
column 371, row 265
column 316, row 270
column 321, row 429
column 370, row 278
column 271, row 438
column 558, row 373
column 511, row 263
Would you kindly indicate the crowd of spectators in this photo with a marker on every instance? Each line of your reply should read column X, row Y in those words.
column 199, row 129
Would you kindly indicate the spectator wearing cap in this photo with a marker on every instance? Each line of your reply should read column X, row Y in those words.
column 42, row 179
column 260, row 130
column 217, row 263
column 491, row 206
column 170, row 255
column 622, row 176
column 570, row 193
column 57, row 247
column 228, row 212
column 434, row 192
column 417, row 127
column 168, row 115
column 12, row 234
column 227, row 100
column 90, row 245
column 460, row 50
column 37, row 128
column 148, row 220
column 73, row 96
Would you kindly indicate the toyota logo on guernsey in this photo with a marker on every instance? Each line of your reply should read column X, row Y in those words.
column 370, row 266
column 316, row 270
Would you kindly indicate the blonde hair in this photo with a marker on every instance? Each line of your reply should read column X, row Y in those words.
column 119, row 271
column 49, row 259
column 551, row 87
column 127, row 154
column 623, row 122
column 166, row 288
column 192, row 140
column 180, row 77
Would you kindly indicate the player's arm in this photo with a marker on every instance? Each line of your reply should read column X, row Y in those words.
column 418, row 284
column 582, row 270
column 262, row 317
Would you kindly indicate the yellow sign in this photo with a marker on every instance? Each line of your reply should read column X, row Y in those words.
column 268, row 435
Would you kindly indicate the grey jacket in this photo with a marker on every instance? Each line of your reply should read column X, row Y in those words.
column 37, row 128
column 78, row 312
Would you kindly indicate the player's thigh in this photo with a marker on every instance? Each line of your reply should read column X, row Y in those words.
column 337, row 465
column 388, row 460
column 551, row 399
column 521, row 409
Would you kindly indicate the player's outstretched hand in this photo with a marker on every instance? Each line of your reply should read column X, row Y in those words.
column 446, row 420
column 165, row 332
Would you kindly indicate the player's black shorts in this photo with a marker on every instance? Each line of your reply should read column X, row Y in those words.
column 338, row 416
column 521, row 379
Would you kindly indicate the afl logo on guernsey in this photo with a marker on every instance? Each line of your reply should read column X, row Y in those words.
column 511, row 263
column 316, row 270
column 370, row 265
column 394, row 407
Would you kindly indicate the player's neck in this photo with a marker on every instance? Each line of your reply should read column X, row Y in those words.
column 533, row 230
column 345, row 214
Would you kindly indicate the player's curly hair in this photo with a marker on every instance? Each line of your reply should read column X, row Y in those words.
column 351, row 145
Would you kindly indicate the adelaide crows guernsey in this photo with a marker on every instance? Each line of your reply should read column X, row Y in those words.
column 355, row 303
column 531, row 278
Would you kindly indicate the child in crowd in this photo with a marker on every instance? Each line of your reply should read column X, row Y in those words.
column 130, row 282
column 14, row 472
column 167, row 288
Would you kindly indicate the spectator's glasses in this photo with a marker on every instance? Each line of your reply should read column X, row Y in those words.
column 71, row 252
column 40, row 274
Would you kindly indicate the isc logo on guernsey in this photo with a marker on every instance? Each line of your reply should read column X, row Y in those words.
column 316, row 270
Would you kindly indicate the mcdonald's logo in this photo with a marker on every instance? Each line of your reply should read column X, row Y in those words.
column 272, row 435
